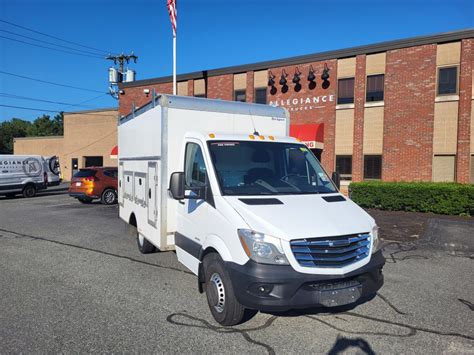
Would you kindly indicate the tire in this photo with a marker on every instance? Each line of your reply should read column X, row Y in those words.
column 221, row 299
column 144, row 245
column 29, row 191
column 109, row 197
column 84, row 200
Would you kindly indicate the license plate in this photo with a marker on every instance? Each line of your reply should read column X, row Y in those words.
column 339, row 294
column 78, row 184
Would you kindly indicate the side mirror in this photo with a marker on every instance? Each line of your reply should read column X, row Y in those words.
column 336, row 178
column 177, row 185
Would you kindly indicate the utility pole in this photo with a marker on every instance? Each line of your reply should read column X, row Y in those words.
column 120, row 75
column 121, row 59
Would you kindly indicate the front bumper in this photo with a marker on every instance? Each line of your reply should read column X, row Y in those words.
column 281, row 288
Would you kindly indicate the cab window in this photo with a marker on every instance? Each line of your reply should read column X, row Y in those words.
column 194, row 167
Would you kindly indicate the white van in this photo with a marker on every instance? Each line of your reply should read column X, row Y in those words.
column 22, row 174
column 248, row 209
column 53, row 170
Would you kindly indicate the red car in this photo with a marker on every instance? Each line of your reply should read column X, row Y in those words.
column 95, row 183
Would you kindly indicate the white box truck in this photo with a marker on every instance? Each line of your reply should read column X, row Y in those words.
column 22, row 174
column 248, row 209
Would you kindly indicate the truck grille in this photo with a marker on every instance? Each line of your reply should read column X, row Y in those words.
column 331, row 251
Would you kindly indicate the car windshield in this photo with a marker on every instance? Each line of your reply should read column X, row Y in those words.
column 267, row 168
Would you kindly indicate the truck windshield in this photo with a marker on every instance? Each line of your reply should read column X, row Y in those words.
column 267, row 168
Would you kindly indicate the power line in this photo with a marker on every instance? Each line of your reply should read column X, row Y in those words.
column 50, row 82
column 53, row 111
column 53, row 49
column 50, row 43
column 41, row 100
column 54, row 37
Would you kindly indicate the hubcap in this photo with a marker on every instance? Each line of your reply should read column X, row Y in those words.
column 109, row 197
column 217, row 292
column 141, row 239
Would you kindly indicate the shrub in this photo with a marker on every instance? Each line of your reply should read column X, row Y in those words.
column 441, row 198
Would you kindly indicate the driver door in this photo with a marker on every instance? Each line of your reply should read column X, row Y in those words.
column 193, row 212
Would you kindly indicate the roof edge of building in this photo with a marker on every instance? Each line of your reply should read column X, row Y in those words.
column 37, row 137
column 314, row 57
column 94, row 110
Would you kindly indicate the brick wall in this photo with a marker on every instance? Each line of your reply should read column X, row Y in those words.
column 221, row 87
column 464, row 118
column 410, row 82
column 359, row 102
column 136, row 96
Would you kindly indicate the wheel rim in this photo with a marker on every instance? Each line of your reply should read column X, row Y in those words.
column 29, row 191
column 109, row 197
column 217, row 293
column 141, row 239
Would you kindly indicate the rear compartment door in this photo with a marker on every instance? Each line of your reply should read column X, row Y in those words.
column 152, row 192
column 120, row 184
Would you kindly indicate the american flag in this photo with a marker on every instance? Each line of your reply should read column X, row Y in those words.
column 173, row 14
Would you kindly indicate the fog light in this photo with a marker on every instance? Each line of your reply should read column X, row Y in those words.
column 260, row 289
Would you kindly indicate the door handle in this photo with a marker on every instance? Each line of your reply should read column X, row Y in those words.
column 149, row 193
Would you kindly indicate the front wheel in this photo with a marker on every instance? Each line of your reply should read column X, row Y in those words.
column 223, row 304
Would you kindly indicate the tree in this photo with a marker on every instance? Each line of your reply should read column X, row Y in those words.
column 42, row 126
column 10, row 129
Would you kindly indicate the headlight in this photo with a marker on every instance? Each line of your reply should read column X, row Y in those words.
column 375, row 238
column 262, row 248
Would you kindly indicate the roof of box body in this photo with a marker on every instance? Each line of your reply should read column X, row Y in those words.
column 211, row 105
column 334, row 54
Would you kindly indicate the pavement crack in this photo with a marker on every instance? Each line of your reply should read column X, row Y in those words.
column 21, row 235
column 467, row 303
column 390, row 304
column 204, row 324
column 412, row 330
column 401, row 248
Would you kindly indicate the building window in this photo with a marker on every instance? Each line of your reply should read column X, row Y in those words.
column 345, row 91
column 444, row 168
column 239, row 95
column 372, row 167
column 200, row 95
column 93, row 161
column 260, row 96
column 375, row 85
column 344, row 166
column 447, row 81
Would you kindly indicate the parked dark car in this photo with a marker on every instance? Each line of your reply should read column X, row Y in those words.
column 95, row 183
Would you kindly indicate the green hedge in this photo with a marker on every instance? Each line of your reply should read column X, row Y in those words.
column 441, row 198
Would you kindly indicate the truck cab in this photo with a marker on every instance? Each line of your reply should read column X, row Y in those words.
column 265, row 228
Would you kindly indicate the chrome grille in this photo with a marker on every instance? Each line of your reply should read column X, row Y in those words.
column 331, row 251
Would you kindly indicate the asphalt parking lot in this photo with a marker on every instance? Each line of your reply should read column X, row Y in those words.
column 72, row 280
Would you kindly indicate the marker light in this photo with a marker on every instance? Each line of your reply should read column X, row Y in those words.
column 212, row 135
column 271, row 138
column 261, row 138
column 251, row 136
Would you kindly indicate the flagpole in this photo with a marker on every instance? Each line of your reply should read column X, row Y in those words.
column 174, row 64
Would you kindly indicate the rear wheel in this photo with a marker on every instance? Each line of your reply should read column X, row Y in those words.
column 144, row 245
column 224, row 306
column 85, row 200
column 109, row 197
column 29, row 191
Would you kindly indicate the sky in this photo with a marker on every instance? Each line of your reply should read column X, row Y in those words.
column 211, row 34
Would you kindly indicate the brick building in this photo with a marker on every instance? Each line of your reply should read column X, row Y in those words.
column 395, row 111
column 88, row 140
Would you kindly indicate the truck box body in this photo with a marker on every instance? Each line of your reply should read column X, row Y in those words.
column 150, row 142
